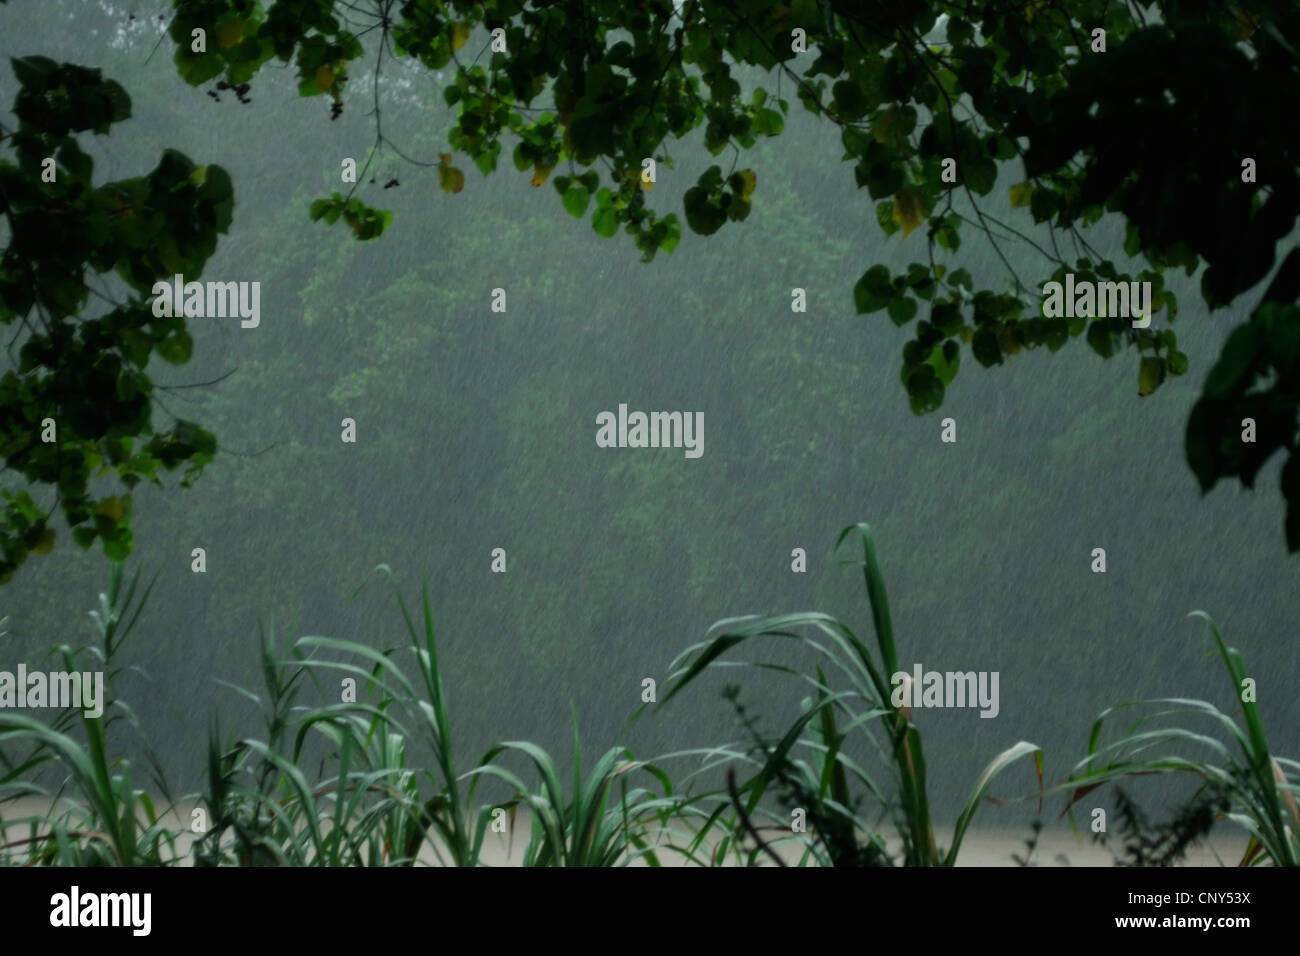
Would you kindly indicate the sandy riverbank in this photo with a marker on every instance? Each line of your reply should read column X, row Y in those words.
column 981, row 847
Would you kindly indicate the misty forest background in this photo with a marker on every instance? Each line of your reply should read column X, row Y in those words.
column 476, row 430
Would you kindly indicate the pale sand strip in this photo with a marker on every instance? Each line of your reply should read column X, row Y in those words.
column 989, row 847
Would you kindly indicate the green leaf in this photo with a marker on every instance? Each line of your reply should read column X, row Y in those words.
column 902, row 309
column 1101, row 339
column 985, row 347
column 605, row 221
column 520, row 158
column 1291, row 492
column 995, row 767
column 176, row 348
column 873, row 291
column 979, row 173
column 885, row 216
column 1056, row 332
column 1151, row 372
column 1202, row 438
column 673, row 235
column 118, row 100
column 197, row 68
column 850, row 102
column 33, row 71
column 946, row 317
column 893, row 126
column 1042, row 204
column 1132, row 240
column 768, row 122
column 487, row 160
column 575, row 200
column 1235, row 362
column 703, row 215
column 117, row 546
column 924, row 390
column 945, row 359
column 1022, row 194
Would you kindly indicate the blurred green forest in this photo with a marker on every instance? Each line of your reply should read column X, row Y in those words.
column 476, row 431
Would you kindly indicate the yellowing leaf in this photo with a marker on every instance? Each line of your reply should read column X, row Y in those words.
column 324, row 78
column 566, row 110
column 451, row 179
column 110, row 508
column 750, row 182
column 1008, row 342
column 1247, row 24
column 540, row 173
column 889, row 126
column 44, row 544
column 1022, row 194
column 909, row 211
column 1150, row 373
column 459, row 34
column 229, row 33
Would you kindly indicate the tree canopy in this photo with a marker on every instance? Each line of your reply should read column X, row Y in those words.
column 1153, row 111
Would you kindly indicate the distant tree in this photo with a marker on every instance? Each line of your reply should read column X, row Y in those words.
column 1151, row 110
